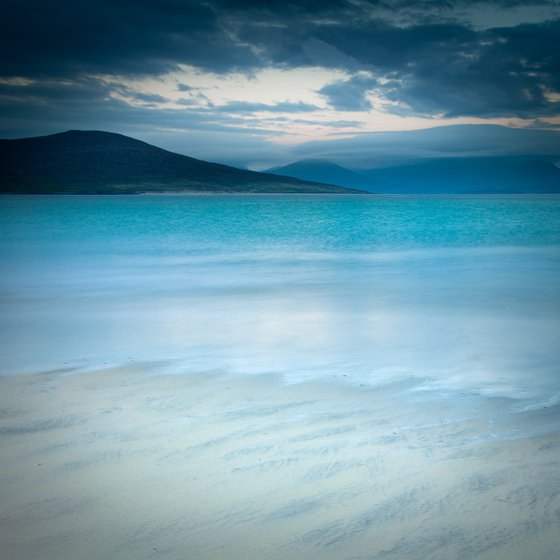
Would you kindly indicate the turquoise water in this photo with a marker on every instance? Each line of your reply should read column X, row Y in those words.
column 453, row 293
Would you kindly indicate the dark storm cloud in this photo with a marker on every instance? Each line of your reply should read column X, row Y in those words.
column 349, row 95
column 425, row 56
column 88, row 104
column 390, row 48
column 113, row 36
column 151, row 36
column 47, row 95
column 453, row 70
column 428, row 68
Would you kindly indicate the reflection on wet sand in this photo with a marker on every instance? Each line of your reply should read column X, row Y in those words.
column 130, row 463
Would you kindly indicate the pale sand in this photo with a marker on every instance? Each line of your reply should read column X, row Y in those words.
column 127, row 464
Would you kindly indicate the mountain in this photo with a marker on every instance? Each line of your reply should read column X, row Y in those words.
column 474, row 175
column 95, row 162
column 322, row 171
column 445, row 175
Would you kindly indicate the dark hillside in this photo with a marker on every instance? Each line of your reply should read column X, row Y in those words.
column 94, row 162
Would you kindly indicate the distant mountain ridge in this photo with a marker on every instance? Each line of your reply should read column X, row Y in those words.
column 97, row 162
column 474, row 175
column 323, row 171
column 445, row 175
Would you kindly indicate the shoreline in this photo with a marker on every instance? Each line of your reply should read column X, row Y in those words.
column 504, row 195
column 125, row 462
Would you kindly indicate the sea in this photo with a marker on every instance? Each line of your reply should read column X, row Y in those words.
column 268, row 377
column 458, row 293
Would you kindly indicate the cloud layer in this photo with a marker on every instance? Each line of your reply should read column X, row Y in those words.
column 153, row 62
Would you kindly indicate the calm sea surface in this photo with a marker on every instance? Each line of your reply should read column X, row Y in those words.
column 455, row 293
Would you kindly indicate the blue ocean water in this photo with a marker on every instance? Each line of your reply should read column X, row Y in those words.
column 453, row 293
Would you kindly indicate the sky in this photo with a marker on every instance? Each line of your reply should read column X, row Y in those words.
column 253, row 83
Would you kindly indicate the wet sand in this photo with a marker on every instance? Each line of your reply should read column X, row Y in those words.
column 127, row 463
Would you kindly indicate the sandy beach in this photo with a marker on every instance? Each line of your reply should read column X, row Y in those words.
column 130, row 463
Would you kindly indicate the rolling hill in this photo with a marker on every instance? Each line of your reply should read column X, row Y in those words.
column 96, row 162
column 445, row 175
column 473, row 175
column 323, row 171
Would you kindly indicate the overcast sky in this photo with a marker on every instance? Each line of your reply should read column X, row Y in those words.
column 248, row 81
